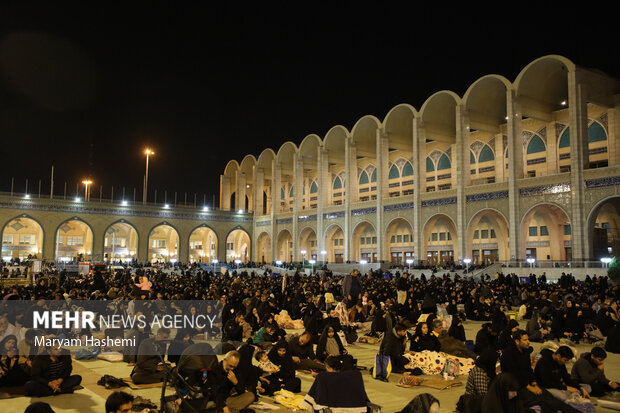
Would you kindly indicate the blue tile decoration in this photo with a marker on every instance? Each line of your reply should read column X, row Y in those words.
column 487, row 196
column 363, row 211
column 601, row 182
column 284, row 221
column 486, row 169
column 545, row 189
column 126, row 211
column 398, row 207
column 439, row 202
column 263, row 223
column 333, row 215
column 304, row 218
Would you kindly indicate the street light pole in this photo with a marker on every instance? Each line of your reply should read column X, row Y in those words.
column 148, row 153
column 86, row 183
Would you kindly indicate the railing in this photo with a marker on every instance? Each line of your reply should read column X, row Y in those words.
column 554, row 264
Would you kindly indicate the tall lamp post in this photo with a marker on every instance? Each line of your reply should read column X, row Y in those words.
column 214, row 262
column 467, row 261
column 605, row 261
column 323, row 254
column 148, row 153
column 531, row 261
column 409, row 262
column 303, row 257
column 312, row 262
column 363, row 262
column 87, row 183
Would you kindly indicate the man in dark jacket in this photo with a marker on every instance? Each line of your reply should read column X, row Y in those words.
column 303, row 353
column 516, row 361
column 393, row 345
column 148, row 368
column 51, row 374
column 486, row 338
column 233, row 329
column 589, row 370
column 229, row 392
column 551, row 373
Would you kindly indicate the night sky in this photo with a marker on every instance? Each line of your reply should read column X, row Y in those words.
column 86, row 87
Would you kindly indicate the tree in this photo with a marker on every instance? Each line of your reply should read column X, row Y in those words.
column 613, row 271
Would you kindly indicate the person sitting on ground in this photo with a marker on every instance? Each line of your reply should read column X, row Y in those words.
column 149, row 367
column 423, row 340
column 485, row 338
column 182, row 340
column 229, row 392
column 339, row 390
column 233, row 329
column 119, row 402
column 27, row 350
column 51, row 373
column 456, row 329
column 422, row 403
column 303, row 353
column 590, row 370
column 330, row 345
column 12, row 372
column 502, row 396
column 535, row 330
column 393, row 345
column 515, row 360
column 505, row 336
column 551, row 373
column 478, row 382
column 284, row 378
column 266, row 366
column 265, row 336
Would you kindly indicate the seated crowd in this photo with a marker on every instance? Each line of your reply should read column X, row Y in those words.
column 402, row 315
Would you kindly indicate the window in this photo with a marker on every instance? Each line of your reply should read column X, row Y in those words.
column 393, row 239
column 7, row 238
column 434, row 236
column 449, row 236
column 544, row 231
column 533, row 231
column 374, row 240
column 406, row 238
column 363, row 241
column 341, row 241
column 61, row 239
column 492, row 233
column 484, row 234
column 335, row 242
column 399, row 238
column 75, row 241
column 195, row 245
column 161, row 243
column 476, row 234
column 442, row 236
column 567, row 230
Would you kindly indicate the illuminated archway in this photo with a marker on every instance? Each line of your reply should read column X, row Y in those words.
column 120, row 242
column 22, row 238
column 163, row 244
column 285, row 246
column 365, row 242
column 74, row 241
column 440, row 240
column 604, row 229
column 308, row 243
column 546, row 233
column 334, row 244
column 237, row 246
column 399, row 241
column 264, row 247
column 202, row 245
column 487, row 238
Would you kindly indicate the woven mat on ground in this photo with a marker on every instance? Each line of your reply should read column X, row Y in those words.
column 134, row 386
column 441, row 384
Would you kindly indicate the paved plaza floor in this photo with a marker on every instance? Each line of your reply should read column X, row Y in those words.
column 91, row 399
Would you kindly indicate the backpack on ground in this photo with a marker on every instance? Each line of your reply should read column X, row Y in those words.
column 382, row 368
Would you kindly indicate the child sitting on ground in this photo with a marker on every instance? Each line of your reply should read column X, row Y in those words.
column 266, row 366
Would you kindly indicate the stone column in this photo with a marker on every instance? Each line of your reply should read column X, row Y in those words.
column 276, row 184
column 322, row 182
column 224, row 193
column 500, row 160
column 351, row 171
column 579, row 160
column 298, row 182
column 240, row 198
column 460, row 155
column 419, row 186
column 552, row 149
column 259, row 185
column 382, row 188
column 613, row 128
column 515, row 172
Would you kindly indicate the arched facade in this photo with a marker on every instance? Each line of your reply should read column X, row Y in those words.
column 22, row 237
column 121, row 242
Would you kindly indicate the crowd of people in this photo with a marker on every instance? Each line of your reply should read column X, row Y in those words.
column 402, row 314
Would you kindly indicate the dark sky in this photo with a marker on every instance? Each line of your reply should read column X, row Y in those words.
column 87, row 86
